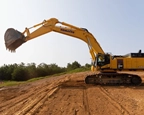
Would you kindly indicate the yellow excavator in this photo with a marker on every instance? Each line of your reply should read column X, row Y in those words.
column 106, row 65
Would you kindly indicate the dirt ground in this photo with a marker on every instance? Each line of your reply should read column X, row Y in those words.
column 68, row 95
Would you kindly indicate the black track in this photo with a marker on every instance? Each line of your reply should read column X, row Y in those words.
column 113, row 79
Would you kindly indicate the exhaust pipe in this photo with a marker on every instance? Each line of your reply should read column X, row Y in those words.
column 13, row 39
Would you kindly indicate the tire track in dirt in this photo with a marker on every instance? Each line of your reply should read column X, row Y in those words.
column 85, row 102
column 67, row 101
column 40, row 104
column 116, row 104
column 28, row 100
column 35, row 104
column 15, row 102
column 19, row 98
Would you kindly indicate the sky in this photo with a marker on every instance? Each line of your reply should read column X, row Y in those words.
column 118, row 26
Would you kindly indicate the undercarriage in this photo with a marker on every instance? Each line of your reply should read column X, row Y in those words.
column 113, row 79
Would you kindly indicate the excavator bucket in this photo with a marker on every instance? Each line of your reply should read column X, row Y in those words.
column 13, row 39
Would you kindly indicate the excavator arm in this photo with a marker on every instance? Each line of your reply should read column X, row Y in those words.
column 14, row 38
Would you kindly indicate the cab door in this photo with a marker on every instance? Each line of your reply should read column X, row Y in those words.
column 120, row 63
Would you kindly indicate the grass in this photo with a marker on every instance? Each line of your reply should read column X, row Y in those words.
column 35, row 79
column 79, row 70
column 12, row 83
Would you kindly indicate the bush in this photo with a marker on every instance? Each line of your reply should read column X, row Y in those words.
column 20, row 74
column 73, row 66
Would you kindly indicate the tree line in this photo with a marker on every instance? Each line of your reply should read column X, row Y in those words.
column 22, row 71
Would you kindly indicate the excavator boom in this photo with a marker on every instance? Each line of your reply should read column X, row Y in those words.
column 14, row 38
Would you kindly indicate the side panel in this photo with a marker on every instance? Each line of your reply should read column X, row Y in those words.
column 127, row 63
column 140, row 63
column 133, row 63
column 113, row 64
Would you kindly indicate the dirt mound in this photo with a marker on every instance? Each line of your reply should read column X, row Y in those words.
column 69, row 95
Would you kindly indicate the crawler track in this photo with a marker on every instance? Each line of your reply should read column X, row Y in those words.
column 114, row 79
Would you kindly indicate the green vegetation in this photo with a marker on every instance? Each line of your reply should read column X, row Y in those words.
column 20, row 73
column 9, row 83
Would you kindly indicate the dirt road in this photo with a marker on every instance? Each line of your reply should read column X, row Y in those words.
column 66, row 95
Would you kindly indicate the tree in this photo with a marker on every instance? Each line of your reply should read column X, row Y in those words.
column 87, row 65
column 32, row 70
column 75, row 65
column 69, row 66
column 72, row 66
column 19, row 74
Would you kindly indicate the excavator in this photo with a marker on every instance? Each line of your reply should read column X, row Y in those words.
column 108, row 69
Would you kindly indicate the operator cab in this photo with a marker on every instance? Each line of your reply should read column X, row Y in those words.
column 102, row 59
